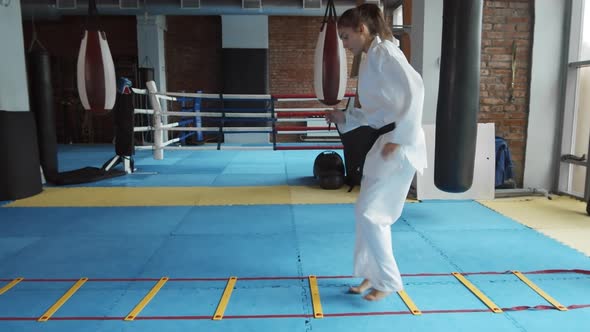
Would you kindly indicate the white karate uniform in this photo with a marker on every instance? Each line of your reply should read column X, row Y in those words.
column 389, row 90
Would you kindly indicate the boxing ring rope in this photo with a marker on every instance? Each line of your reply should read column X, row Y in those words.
column 278, row 119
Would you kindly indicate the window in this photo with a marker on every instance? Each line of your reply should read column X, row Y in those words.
column 398, row 17
column 585, row 35
column 574, row 170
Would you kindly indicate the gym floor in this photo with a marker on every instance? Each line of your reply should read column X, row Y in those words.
column 200, row 218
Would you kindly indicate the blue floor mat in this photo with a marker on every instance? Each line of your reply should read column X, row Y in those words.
column 262, row 241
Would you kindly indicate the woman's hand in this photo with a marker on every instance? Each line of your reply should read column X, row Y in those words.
column 388, row 149
column 335, row 116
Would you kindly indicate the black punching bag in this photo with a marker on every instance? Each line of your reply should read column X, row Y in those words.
column 123, row 119
column 20, row 174
column 458, row 95
column 42, row 105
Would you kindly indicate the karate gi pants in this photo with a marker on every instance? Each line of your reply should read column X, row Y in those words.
column 379, row 205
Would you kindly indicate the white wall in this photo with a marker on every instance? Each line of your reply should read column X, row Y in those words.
column 417, row 35
column 243, row 31
column 151, row 49
column 151, row 52
column 483, row 172
column 14, row 95
column 545, row 94
column 426, row 38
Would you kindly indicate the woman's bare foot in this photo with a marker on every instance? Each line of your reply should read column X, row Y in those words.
column 376, row 295
column 360, row 288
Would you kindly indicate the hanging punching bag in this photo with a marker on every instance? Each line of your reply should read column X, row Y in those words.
column 42, row 104
column 330, row 66
column 123, row 119
column 458, row 95
column 97, row 85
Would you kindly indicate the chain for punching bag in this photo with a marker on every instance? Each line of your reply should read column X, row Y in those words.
column 330, row 65
column 458, row 95
column 97, row 86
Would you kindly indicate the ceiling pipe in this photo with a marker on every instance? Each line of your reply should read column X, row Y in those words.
column 48, row 8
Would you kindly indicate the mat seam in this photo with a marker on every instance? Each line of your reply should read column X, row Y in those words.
column 537, row 230
column 302, row 282
column 437, row 249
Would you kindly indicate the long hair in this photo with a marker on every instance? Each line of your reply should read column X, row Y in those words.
column 368, row 14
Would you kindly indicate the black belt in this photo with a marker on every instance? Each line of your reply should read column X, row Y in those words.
column 385, row 129
column 357, row 144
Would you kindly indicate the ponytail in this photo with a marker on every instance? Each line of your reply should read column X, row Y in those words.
column 369, row 15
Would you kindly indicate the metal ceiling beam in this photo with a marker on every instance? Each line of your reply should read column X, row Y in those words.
column 48, row 8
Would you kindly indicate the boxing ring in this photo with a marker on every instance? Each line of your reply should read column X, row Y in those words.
column 276, row 117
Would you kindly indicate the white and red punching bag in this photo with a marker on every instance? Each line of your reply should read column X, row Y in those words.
column 330, row 61
column 97, row 85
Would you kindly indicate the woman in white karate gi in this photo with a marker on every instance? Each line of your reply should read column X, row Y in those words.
column 390, row 91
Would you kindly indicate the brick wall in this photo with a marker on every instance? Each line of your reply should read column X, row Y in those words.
column 194, row 59
column 292, row 53
column 291, row 66
column 505, row 22
column 61, row 38
column 193, row 53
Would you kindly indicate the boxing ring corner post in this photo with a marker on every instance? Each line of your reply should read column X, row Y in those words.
column 157, row 120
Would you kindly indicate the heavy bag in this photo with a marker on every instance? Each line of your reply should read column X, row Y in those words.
column 330, row 66
column 97, row 84
column 42, row 105
column 328, row 169
column 123, row 119
column 20, row 174
column 458, row 95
